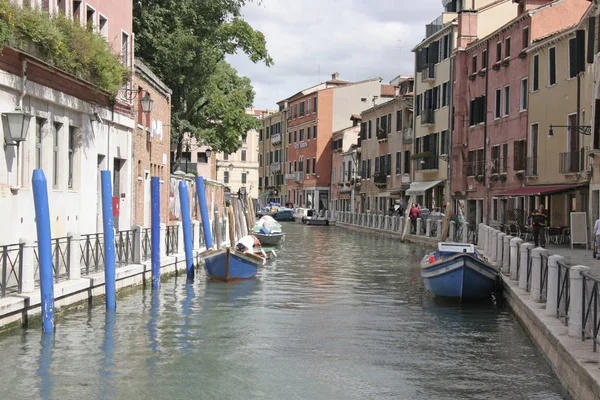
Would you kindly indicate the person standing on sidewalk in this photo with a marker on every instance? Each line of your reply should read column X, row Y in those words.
column 597, row 234
column 538, row 224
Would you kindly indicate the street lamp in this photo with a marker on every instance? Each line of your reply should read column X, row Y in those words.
column 582, row 129
column 208, row 152
column 16, row 126
column 147, row 103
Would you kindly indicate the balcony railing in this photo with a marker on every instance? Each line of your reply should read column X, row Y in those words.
column 276, row 138
column 574, row 162
column 407, row 136
column 382, row 136
column 427, row 117
column 289, row 177
column 428, row 72
column 380, row 179
column 299, row 176
column 275, row 167
column 427, row 163
column 532, row 166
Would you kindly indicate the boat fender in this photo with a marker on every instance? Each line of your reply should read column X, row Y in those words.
column 431, row 259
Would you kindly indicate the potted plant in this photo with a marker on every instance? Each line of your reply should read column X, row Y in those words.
column 494, row 177
column 522, row 54
column 482, row 72
column 505, row 62
column 503, row 177
column 418, row 156
column 472, row 76
column 519, row 174
column 479, row 178
column 496, row 66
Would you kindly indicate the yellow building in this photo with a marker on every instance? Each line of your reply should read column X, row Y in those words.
column 558, row 168
column 272, row 155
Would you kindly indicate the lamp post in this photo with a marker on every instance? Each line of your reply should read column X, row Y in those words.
column 16, row 125
column 146, row 102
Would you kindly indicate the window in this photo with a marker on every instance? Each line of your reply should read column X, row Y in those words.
column 55, row 148
column 90, row 18
column 76, row 10
column 267, row 132
column 315, row 103
column 398, row 162
column 314, row 132
column 519, row 155
column 225, row 157
column 39, row 134
column 499, row 52
column 243, row 178
column 389, row 124
column 445, row 94
column 314, row 165
column 494, row 209
column 507, row 47
column 301, row 134
column 243, row 155
column 260, row 159
column 61, row 5
column 477, row 111
column 552, row 66
column 370, row 128
column 504, row 168
column 399, row 120
column 525, row 37
column 498, row 104
column 289, row 137
column 474, row 64
column 418, row 105
column 484, row 59
column 308, row 106
column 495, row 159
column 295, row 136
column 444, row 142
column 244, row 139
column 308, row 165
column 226, row 177
column 308, row 133
column 524, row 93
column 436, row 97
column 368, row 169
column 536, row 73
column 302, row 109
column 125, row 49
column 260, row 135
column 103, row 26
column 506, row 100
column 572, row 58
column 72, row 143
column 202, row 158
column 270, row 157
column 295, row 110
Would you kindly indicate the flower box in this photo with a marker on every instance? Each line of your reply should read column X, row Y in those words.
column 522, row 54
column 482, row 72
column 472, row 77
column 505, row 62
column 496, row 66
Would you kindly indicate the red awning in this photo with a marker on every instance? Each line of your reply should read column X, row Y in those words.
column 538, row 190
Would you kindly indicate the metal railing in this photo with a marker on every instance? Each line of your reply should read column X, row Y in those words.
column 532, row 166
column 573, row 162
column 590, row 324
column 172, row 239
column 146, row 243
column 529, row 263
column 92, row 253
column 61, row 262
column 124, row 247
column 543, row 277
column 518, row 258
column 427, row 117
column 12, row 268
column 428, row 72
column 563, row 293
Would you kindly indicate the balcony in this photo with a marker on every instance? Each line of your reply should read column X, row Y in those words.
column 437, row 24
column 275, row 167
column 407, row 136
column 299, row 176
column 427, row 163
column 276, row 138
column 574, row 162
column 382, row 136
column 427, row 117
column 290, row 177
column 380, row 179
column 428, row 73
column 532, row 166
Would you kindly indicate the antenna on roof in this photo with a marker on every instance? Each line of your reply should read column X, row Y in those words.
column 319, row 72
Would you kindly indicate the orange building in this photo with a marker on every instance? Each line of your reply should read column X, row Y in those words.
column 314, row 114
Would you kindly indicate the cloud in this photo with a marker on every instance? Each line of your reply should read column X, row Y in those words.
column 312, row 39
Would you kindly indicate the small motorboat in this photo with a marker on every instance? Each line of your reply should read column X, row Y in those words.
column 270, row 239
column 228, row 265
column 312, row 217
column 268, row 231
column 299, row 214
column 278, row 213
column 456, row 270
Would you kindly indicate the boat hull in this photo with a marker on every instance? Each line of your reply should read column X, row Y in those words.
column 314, row 221
column 462, row 276
column 272, row 239
column 279, row 215
column 227, row 265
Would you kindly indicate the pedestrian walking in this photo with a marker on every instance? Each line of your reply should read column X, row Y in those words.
column 539, row 219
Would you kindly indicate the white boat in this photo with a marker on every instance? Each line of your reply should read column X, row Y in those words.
column 312, row 217
column 299, row 214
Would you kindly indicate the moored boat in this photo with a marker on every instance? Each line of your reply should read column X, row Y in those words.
column 281, row 214
column 228, row 265
column 270, row 239
column 456, row 270
column 312, row 217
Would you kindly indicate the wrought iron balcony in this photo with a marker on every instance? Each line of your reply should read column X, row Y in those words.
column 276, row 138
column 380, row 179
column 430, row 162
column 574, row 162
column 427, row 117
column 382, row 136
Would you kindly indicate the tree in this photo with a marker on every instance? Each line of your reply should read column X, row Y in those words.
column 186, row 42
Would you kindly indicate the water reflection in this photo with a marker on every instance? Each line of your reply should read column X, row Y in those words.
column 46, row 350
column 106, row 373
column 187, row 316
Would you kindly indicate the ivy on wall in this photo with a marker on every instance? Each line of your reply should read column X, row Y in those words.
column 62, row 43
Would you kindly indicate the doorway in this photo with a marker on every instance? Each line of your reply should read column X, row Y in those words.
column 147, row 198
column 99, row 167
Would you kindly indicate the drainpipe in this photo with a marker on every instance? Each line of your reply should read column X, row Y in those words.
column 485, row 140
column 448, row 196
column 20, row 105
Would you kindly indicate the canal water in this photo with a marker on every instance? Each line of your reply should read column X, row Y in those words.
column 339, row 315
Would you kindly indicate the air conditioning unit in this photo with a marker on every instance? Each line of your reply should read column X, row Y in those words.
column 470, row 187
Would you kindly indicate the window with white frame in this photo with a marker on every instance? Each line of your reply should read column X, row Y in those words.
column 125, row 49
column 524, row 94
column 506, row 100
column 244, row 178
column 55, row 154
column 76, row 11
column 39, row 135
column 90, row 18
column 498, row 104
column 243, row 155
column 226, row 177
column 103, row 25
column 71, row 155
column 552, row 66
column 61, row 6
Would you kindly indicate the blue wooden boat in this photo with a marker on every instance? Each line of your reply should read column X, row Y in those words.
column 456, row 270
column 228, row 265
column 283, row 214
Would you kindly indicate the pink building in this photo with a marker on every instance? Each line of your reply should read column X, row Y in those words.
column 489, row 141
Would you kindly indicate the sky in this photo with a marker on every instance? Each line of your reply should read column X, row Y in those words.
column 311, row 39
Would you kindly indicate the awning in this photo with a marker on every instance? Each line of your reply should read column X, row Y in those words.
column 419, row 188
column 539, row 190
column 392, row 195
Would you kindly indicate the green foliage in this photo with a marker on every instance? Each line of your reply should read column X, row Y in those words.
column 185, row 42
column 62, row 43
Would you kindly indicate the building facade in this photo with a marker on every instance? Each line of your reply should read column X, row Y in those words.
column 151, row 145
column 344, row 166
column 73, row 134
column 272, row 157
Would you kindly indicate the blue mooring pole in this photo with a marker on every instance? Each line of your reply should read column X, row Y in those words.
column 187, row 228
column 155, row 230
column 204, row 211
column 42, row 220
column 109, row 240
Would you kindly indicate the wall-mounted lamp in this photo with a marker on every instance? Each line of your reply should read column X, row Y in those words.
column 147, row 103
column 208, row 152
column 16, row 126
column 582, row 129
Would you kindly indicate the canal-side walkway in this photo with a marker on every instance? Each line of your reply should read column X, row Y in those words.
column 555, row 292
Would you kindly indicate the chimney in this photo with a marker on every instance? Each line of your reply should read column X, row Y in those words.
column 467, row 28
column 335, row 76
column 528, row 5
